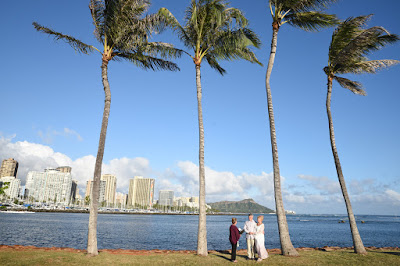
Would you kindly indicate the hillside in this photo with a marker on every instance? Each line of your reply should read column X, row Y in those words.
column 243, row 206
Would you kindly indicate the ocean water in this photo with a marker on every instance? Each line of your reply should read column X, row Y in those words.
column 179, row 232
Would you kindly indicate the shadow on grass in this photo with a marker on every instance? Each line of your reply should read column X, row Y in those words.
column 396, row 253
column 392, row 253
column 222, row 253
column 226, row 252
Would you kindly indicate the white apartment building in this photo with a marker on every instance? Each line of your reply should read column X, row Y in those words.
column 141, row 192
column 51, row 186
column 192, row 202
column 166, row 198
column 110, row 188
column 13, row 187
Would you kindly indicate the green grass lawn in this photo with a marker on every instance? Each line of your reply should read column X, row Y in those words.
column 32, row 256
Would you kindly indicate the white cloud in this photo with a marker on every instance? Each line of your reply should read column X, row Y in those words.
column 70, row 132
column 220, row 185
column 323, row 184
column 49, row 135
column 36, row 157
column 295, row 198
column 393, row 195
column 316, row 195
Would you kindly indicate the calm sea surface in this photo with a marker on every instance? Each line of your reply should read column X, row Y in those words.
column 179, row 232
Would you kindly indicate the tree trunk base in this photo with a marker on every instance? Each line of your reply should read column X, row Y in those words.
column 291, row 253
column 361, row 252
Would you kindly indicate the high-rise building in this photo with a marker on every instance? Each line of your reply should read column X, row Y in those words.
column 120, row 200
column 50, row 186
column 89, row 187
column 110, row 189
column 141, row 192
column 64, row 169
column 9, row 167
column 13, row 186
column 166, row 198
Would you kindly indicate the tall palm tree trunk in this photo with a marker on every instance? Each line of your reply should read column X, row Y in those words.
column 358, row 244
column 92, row 233
column 286, row 244
column 202, row 234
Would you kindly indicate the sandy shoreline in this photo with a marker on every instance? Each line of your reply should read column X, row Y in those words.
column 159, row 251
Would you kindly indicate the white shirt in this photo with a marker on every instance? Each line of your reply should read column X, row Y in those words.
column 250, row 227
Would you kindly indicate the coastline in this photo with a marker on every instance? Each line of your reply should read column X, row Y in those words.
column 114, row 212
column 275, row 251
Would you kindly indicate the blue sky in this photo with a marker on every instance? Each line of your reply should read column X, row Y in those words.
column 52, row 102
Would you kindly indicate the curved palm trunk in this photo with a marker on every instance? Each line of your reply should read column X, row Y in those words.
column 202, row 234
column 92, row 233
column 358, row 244
column 286, row 244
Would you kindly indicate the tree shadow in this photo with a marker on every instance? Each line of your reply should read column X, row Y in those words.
column 395, row 253
column 392, row 253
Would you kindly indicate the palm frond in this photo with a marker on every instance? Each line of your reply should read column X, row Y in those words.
column 312, row 20
column 147, row 62
column 165, row 50
column 344, row 33
column 366, row 41
column 371, row 66
column 213, row 63
column 121, row 26
column 301, row 5
column 176, row 27
column 77, row 45
column 97, row 11
column 237, row 15
column 353, row 86
column 309, row 5
column 232, row 45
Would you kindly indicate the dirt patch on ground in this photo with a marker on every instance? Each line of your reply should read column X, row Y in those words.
column 163, row 252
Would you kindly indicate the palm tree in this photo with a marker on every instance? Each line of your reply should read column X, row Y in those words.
column 347, row 54
column 3, row 187
column 212, row 31
column 300, row 14
column 123, row 31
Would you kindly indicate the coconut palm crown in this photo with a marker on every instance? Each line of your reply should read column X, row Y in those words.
column 350, row 45
column 302, row 14
column 122, row 29
column 213, row 31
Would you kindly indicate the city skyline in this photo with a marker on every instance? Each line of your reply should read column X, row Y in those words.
column 54, row 100
column 43, row 182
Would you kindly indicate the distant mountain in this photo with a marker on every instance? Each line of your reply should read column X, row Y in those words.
column 243, row 206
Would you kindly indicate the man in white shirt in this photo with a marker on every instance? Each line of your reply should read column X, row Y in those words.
column 250, row 227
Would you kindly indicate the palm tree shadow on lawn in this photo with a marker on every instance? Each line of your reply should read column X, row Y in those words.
column 396, row 253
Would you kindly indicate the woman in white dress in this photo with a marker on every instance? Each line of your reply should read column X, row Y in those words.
column 259, row 239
